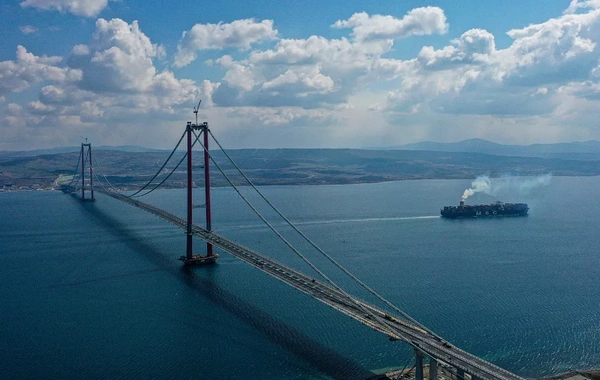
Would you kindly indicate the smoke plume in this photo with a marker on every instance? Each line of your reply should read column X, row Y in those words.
column 520, row 185
column 481, row 184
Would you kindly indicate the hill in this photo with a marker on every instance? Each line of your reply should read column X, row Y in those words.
column 587, row 150
column 291, row 166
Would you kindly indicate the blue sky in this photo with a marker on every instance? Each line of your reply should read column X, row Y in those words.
column 298, row 74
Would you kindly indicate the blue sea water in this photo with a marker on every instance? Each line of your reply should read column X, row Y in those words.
column 95, row 290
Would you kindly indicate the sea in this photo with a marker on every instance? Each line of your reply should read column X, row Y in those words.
column 95, row 289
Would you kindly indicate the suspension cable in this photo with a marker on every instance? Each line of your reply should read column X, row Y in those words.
column 171, row 173
column 269, row 224
column 358, row 304
column 161, row 168
column 314, row 245
column 112, row 190
column 103, row 175
column 76, row 169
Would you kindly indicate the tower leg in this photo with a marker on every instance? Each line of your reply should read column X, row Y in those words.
column 209, row 247
column 91, row 174
column 418, row 365
column 82, row 174
column 190, row 206
column 433, row 369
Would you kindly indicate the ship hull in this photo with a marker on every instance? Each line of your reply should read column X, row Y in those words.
column 493, row 210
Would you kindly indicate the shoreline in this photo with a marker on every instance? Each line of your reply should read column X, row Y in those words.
column 445, row 374
column 122, row 188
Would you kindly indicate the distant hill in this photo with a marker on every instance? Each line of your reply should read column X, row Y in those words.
column 292, row 167
column 587, row 150
column 71, row 149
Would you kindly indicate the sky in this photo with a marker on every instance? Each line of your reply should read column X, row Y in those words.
column 298, row 74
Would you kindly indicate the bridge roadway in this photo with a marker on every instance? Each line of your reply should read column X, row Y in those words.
column 394, row 327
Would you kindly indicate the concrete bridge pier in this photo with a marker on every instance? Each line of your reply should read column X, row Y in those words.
column 418, row 365
column 433, row 369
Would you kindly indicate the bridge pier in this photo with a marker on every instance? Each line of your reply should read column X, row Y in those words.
column 433, row 369
column 418, row 365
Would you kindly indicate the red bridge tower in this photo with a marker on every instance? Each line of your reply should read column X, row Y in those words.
column 190, row 258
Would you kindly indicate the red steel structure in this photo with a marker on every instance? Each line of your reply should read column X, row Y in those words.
column 87, row 154
column 190, row 258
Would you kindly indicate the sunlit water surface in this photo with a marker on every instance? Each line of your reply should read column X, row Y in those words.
column 95, row 290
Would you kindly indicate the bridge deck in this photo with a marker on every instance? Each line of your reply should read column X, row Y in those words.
column 374, row 318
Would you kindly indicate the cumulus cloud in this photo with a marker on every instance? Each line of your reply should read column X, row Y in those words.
column 321, row 72
column 548, row 76
column 474, row 46
column 296, row 72
column 302, row 80
column 39, row 108
column 239, row 34
column 237, row 75
column 110, row 83
column 29, row 69
column 118, row 58
column 85, row 8
column 119, row 61
column 577, row 5
column 558, row 50
column 419, row 21
column 529, row 77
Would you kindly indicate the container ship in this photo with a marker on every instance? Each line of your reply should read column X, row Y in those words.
column 481, row 211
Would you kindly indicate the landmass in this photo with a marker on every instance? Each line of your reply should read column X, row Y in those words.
column 126, row 169
column 447, row 374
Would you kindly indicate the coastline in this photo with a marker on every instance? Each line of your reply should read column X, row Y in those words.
column 445, row 374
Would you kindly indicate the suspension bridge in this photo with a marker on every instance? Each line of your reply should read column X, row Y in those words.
column 390, row 320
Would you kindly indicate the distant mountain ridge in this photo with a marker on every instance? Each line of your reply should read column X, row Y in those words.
column 584, row 150
column 71, row 149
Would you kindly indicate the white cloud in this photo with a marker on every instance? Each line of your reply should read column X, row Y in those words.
column 14, row 109
column 544, row 85
column 419, row 21
column 302, row 80
column 118, row 58
column 278, row 116
column 39, row 108
column 471, row 76
column 577, row 5
column 558, row 50
column 239, row 34
column 296, row 72
column 81, row 50
column 237, row 75
column 28, row 29
column 85, row 8
column 29, row 69
column 340, row 55
column 474, row 46
column 111, row 83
